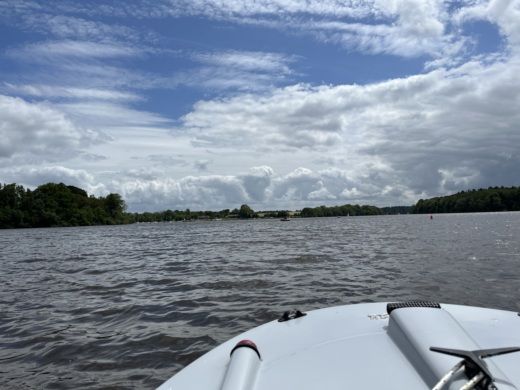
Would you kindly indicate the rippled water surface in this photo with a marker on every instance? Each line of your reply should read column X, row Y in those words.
column 128, row 306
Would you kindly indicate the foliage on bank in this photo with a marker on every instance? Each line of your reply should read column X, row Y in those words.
column 52, row 205
column 339, row 211
column 392, row 210
column 61, row 205
column 481, row 200
column 57, row 205
column 182, row 215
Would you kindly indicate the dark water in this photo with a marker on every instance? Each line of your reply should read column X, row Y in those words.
column 128, row 306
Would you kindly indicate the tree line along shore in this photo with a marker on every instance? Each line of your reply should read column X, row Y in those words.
column 53, row 205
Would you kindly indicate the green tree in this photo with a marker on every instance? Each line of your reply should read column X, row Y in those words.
column 54, row 204
column 490, row 199
column 282, row 214
column 115, row 206
column 246, row 212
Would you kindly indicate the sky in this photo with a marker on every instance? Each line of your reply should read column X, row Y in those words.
column 280, row 104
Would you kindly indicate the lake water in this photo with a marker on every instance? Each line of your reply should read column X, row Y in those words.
column 128, row 306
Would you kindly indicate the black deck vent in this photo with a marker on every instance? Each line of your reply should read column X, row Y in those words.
column 399, row 305
column 291, row 315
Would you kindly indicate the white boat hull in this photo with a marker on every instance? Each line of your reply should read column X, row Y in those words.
column 359, row 347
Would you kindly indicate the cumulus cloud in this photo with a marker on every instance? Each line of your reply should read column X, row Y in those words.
column 420, row 131
column 146, row 190
column 295, row 117
column 257, row 182
column 35, row 176
column 37, row 131
column 261, row 188
column 212, row 191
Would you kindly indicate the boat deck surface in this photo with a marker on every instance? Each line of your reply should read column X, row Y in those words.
column 350, row 347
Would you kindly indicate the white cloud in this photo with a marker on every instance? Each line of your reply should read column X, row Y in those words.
column 226, row 9
column 37, row 131
column 232, row 70
column 260, row 187
column 142, row 190
column 504, row 13
column 321, row 194
column 352, row 193
column 408, row 28
column 409, row 129
column 397, row 39
column 111, row 114
column 44, row 51
column 223, row 79
column 34, row 176
column 257, row 182
column 10, row 8
column 71, row 27
column 196, row 192
column 57, row 91
column 201, row 192
column 401, row 27
column 79, row 69
column 248, row 61
column 293, row 117
column 223, row 9
column 388, row 142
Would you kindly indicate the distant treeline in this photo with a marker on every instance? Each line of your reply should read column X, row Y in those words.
column 57, row 205
column 61, row 205
column 244, row 212
column 54, row 204
column 188, row 215
column 397, row 210
column 482, row 200
column 338, row 211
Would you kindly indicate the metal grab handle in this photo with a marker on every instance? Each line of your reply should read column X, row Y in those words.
column 446, row 378
column 473, row 382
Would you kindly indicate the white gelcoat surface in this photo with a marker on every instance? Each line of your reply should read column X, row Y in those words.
column 347, row 347
column 242, row 370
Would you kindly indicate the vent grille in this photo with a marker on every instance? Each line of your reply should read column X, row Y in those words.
column 401, row 305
